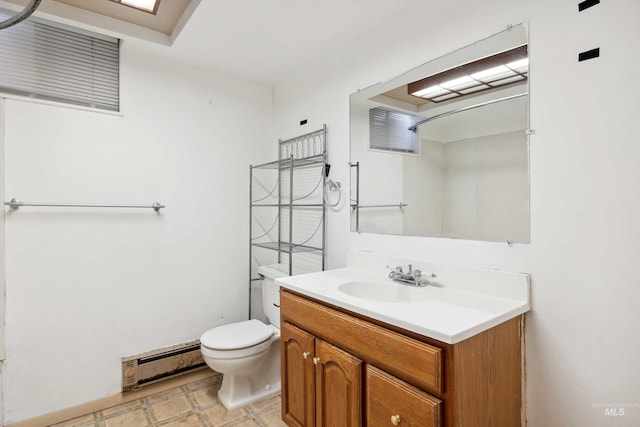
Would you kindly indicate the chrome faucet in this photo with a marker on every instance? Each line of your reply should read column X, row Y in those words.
column 410, row 278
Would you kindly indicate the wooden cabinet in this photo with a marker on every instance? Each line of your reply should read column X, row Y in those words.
column 338, row 387
column 323, row 384
column 342, row 369
column 298, row 376
column 391, row 401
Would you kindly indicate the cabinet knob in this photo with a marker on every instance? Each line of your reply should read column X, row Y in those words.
column 306, row 354
column 316, row 360
column 395, row 420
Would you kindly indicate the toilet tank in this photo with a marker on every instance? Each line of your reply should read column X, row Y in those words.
column 271, row 291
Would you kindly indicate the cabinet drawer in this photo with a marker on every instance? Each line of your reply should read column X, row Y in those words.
column 391, row 401
column 404, row 357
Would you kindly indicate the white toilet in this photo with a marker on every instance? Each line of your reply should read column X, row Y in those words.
column 248, row 353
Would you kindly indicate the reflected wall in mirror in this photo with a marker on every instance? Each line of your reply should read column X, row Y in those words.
column 442, row 150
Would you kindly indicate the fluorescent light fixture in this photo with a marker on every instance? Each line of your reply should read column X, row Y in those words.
column 475, row 89
column 145, row 5
column 503, row 68
column 521, row 65
column 445, row 97
column 492, row 73
column 430, row 92
column 511, row 80
column 459, row 83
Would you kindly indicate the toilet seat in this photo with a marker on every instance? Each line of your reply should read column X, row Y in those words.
column 236, row 340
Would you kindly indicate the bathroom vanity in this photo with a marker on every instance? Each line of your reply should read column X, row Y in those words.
column 358, row 360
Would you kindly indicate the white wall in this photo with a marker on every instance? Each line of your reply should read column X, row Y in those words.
column 87, row 287
column 582, row 340
column 502, row 117
column 422, row 190
column 486, row 188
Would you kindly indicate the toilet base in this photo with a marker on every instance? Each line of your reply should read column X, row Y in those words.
column 238, row 393
column 241, row 390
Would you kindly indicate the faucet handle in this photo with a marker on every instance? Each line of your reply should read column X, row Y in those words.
column 427, row 275
column 397, row 269
column 421, row 277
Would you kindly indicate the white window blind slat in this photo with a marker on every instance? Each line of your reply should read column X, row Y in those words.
column 98, row 96
column 53, row 35
column 29, row 84
column 26, row 65
column 76, row 55
column 91, row 83
column 48, row 62
column 55, row 74
column 46, row 53
column 389, row 130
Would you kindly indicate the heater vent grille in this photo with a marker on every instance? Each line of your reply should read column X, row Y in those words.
column 153, row 366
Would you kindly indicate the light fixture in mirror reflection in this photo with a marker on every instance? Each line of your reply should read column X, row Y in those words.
column 442, row 150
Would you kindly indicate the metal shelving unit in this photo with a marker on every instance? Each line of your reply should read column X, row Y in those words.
column 287, row 247
column 304, row 154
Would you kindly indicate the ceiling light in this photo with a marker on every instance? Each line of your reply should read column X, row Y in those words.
column 475, row 89
column 516, row 78
column 430, row 92
column 445, row 97
column 459, row 83
column 521, row 65
column 492, row 73
column 150, row 6
column 503, row 68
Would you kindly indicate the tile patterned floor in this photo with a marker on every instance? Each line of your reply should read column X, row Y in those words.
column 193, row 404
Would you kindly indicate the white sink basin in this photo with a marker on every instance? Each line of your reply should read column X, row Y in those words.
column 461, row 302
column 384, row 291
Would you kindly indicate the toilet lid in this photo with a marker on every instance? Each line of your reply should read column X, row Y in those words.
column 236, row 335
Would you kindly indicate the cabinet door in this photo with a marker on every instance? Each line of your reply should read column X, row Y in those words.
column 338, row 387
column 391, row 401
column 297, row 370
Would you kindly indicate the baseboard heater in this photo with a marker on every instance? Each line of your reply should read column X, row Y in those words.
column 157, row 365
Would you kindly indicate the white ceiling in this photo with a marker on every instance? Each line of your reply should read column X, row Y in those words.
column 271, row 40
column 262, row 40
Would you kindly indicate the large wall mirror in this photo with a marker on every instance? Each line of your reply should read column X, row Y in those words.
column 442, row 150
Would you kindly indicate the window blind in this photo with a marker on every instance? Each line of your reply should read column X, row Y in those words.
column 43, row 61
column 389, row 130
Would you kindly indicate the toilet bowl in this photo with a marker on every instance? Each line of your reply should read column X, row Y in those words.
column 247, row 353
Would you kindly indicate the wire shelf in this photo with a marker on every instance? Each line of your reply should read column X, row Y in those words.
column 287, row 162
column 284, row 247
column 286, row 205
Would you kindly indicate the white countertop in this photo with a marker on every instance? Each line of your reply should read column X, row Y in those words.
column 452, row 311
